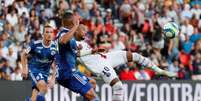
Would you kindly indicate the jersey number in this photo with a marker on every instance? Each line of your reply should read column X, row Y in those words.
column 39, row 76
column 106, row 71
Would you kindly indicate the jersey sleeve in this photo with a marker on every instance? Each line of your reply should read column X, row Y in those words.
column 72, row 44
column 57, row 58
column 60, row 36
column 30, row 48
column 85, row 48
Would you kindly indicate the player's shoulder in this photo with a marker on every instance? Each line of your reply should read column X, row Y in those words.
column 53, row 44
column 37, row 42
column 83, row 43
column 62, row 31
column 80, row 43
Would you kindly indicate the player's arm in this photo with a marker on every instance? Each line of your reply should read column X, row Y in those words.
column 51, row 81
column 87, row 50
column 84, row 52
column 67, row 36
column 170, row 47
column 24, row 60
column 54, row 69
column 53, row 72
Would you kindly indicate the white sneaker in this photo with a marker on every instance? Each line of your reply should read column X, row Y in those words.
column 169, row 74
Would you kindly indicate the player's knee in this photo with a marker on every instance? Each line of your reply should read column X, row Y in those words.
column 42, row 86
column 117, row 91
column 34, row 94
column 33, row 99
column 90, row 95
column 118, row 86
column 93, row 82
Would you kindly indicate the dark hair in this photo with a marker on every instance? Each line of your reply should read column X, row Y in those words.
column 67, row 18
column 200, row 16
column 67, row 14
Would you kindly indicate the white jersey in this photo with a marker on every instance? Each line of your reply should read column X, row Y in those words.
column 102, row 64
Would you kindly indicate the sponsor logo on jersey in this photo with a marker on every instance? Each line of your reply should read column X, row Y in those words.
column 39, row 47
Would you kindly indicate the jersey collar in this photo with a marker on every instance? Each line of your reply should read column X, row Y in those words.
column 64, row 28
column 45, row 45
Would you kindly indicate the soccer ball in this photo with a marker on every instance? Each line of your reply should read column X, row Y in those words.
column 170, row 30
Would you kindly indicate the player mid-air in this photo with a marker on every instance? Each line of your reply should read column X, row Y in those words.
column 103, row 64
column 37, row 59
column 68, row 76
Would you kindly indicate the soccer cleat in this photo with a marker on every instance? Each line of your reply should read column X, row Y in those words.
column 163, row 72
column 167, row 73
column 170, row 74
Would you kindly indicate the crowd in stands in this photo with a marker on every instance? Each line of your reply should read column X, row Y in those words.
column 133, row 25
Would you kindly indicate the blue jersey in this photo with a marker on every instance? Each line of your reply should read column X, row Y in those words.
column 41, row 57
column 68, row 76
column 67, row 53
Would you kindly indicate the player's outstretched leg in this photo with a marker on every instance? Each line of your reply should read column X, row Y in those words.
column 91, row 95
column 110, row 76
column 79, row 83
column 93, row 83
column 117, row 88
column 34, row 94
column 148, row 63
column 42, row 86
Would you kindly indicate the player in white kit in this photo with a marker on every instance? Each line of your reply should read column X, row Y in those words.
column 103, row 64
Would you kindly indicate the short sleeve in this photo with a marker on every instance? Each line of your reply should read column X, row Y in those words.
column 29, row 48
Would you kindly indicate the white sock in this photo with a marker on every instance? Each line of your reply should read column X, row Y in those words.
column 144, row 61
column 117, row 91
column 157, row 69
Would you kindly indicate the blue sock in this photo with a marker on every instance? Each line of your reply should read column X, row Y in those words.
column 28, row 99
column 85, row 99
column 40, row 97
column 96, row 99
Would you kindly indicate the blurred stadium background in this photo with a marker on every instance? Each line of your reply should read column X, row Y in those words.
column 133, row 25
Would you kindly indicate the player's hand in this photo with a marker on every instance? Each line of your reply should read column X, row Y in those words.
column 51, row 83
column 76, row 21
column 25, row 72
column 79, row 47
column 98, row 50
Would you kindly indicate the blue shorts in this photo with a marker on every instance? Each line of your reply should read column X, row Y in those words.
column 35, row 77
column 77, row 82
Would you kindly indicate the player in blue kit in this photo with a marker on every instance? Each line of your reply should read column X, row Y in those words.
column 69, row 77
column 37, row 59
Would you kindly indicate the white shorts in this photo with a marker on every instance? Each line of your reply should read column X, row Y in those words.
column 104, row 66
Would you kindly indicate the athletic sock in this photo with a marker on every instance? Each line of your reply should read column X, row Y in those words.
column 28, row 99
column 40, row 97
column 117, row 92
